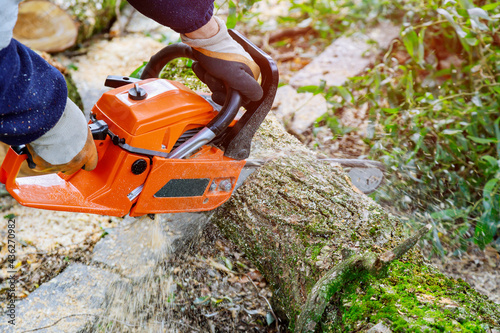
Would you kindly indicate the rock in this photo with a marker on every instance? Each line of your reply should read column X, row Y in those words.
column 346, row 57
column 73, row 297
column 298, row 111
column 379, row 328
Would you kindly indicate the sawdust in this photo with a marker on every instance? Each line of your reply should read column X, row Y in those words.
column 211, row 287
column 126, row 54
column 46, row 242
column 44, row 230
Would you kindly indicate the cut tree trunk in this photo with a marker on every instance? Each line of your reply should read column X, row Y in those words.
column 326, row 250
column 55, row 25
column 43, row 26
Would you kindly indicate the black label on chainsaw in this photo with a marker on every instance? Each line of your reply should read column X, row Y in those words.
column 177, row 188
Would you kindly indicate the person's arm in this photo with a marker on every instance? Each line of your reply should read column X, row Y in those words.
column 219, row 58
column 182, row 16
column 34, row 108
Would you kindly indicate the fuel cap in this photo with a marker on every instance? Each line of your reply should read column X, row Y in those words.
column 137, row 93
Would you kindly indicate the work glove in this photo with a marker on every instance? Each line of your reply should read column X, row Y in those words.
column 67, row 147
column 221, row 59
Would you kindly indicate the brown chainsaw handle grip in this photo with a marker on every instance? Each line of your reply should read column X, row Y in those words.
column 11, row 166
column 233, row 100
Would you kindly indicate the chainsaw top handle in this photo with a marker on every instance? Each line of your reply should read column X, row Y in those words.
column 164, row 56
column 234, row 141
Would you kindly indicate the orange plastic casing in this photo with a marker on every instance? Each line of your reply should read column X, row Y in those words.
column 199, row 183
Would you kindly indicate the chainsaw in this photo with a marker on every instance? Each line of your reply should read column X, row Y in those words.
column 162, row 148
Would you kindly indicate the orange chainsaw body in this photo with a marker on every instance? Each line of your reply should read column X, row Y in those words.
column 163, row 185
column 161, row 147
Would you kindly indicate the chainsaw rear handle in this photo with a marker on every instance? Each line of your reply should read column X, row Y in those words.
column 233, row 98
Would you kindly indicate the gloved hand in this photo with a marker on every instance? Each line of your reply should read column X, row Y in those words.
column 221, row 59
column 67, row 147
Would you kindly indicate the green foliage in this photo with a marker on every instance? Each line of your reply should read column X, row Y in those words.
column 177, row 70
column 94, row 16
column 332, row 18
column 415, row 299
column 434, row 110
column 238, row 10
column 180, row 70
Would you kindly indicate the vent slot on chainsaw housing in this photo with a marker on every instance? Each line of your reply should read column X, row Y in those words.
column 178, row 188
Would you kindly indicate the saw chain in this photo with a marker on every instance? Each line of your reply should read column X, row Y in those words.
column 366, row 175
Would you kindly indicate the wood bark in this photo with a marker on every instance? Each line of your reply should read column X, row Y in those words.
column 312, row 235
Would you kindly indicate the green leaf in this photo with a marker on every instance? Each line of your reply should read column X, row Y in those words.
column 448, row 214
column 313, row 89
column 451, row 132
column 496, row 126
column 202, row 300
column 409, row 88
column 228, row 263
column 346, row 95
column 450, row 19
column 478, row 12
column 310, row 89
column 485, row 231
column 466, row 4
column 231, row 18
column 488, row 188
column 472, row 41
column 491, row 160
column 391, row 111
column 410, row 41
column 421, row 48
column 491, row 6
column 476, row 24
column 481, row 140
column 269, row 318
column 138, row 71
column 9, row 216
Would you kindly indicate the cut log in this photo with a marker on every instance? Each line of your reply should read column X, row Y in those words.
column 93, row 16
column 324, row 248
column 44, row 26
column 56, row 25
